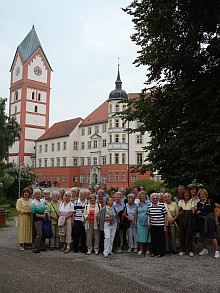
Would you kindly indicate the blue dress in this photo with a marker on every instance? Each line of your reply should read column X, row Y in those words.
column 143, row 232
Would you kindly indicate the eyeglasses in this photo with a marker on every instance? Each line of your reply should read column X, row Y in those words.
column 154, row 198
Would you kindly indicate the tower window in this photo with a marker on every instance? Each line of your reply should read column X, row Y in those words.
column 16, row 95
column 35, row 109
column 32, row 95
column 39, row 96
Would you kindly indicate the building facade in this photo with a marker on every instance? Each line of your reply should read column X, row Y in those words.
column 95, row 150
column 29, row 96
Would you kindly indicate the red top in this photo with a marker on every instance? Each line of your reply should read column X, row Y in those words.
column 92, row 215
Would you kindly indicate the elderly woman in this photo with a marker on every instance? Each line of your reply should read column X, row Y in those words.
column 171, row 225
column 130, row 210
column 186, row 216
column 66, row 210
column 23, row 207
column 74, row 194
column 208, row 222
column 156, row 222
column 46, row 198
column 143, row 236
column 53, row 210
column 119, row 207
column 38, row 211
column 91, row 216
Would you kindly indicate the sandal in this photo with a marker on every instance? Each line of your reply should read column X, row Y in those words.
column 21, row 248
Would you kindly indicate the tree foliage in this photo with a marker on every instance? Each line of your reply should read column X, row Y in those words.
column 9, row 131
column 179, row 43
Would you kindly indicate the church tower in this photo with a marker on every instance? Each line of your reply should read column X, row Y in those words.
column 29, row 96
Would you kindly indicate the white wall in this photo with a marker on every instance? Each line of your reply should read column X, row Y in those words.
column 30, row 106
column 43, row 96
column 29, row 147
column 37, row 61
column 14, row 106
column 15, row 148
column 33, row 133
column 14, row 159
column 18, row 70
column 34, row 119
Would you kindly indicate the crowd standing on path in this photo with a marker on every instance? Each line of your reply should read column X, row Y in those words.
column 93, row 221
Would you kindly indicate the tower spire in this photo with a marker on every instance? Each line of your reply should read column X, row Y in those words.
column 118, row 82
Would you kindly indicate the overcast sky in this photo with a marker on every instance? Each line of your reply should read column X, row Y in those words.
column 82, row 40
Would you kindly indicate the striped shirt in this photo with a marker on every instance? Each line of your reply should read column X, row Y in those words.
column 157, row 214
column 79, row 209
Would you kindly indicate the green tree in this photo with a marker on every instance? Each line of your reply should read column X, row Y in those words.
column 179, row 43
column 9, row 131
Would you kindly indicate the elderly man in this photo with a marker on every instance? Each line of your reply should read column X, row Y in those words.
column 78, row 220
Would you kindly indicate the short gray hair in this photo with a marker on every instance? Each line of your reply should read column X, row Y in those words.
column 131, row 195
column 36, row 190
column 142, row 192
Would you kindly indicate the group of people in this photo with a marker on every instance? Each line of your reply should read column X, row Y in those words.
column 94, row 221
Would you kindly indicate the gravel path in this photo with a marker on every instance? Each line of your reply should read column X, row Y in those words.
column 56, row 271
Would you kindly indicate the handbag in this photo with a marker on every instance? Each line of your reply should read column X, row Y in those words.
column 61, row 221
column 47, row 228
column 125, row 223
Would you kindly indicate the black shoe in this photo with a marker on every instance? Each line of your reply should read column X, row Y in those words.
column 75, row 250
column 36, row 251
column 43, row 249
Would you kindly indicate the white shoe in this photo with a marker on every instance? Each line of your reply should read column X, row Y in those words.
column 147, row 252
column 217, row 254
column 111, row 253
column 140, row 252
column 89, row 252
column 105, row 255
column 181, row 253
column 129, row 250
column 191, row 254
column 96, row 252
column 204, row 252
column 135, row 250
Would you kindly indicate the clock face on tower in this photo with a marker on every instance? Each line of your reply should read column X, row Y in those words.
column 17, row 71
column 37, row 70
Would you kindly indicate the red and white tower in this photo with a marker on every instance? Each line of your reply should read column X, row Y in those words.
column 29, row 96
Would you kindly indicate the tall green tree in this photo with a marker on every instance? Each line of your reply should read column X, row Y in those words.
column 9, row 131
column 179, row 43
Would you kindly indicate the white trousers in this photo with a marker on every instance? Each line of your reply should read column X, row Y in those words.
column 131, row 233
column 109, row 233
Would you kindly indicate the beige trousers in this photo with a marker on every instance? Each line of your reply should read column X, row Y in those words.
column 92, row 236
column 65, row 232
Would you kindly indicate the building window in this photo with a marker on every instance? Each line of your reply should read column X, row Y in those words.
column 116, row 137
column 116, row 108
column 123, row 177
column 52, row 162
column 139, row 139
column 123, row 124
column 110, row 138
column 123, row 106
column 116, row 158
column 110, row 108
column 95, row 144
column 75, row 145
column 139, row 124
column 39, row 163
column 39, row 96
column 89, row 144
column 82, row 161
column 133, row 178
column 94, row 161
column 88, row 178
column 52, row 147
column 89, row 130
column 123, row 138
column 16, row 96
column 139, row 158
column 40, row 148
column 58, row 146
column 83, row 131
column 123, row 159
column 45, row 177
column 110, row 158
column 104, row 179
column 58, row 178
column 74, row 179
column 82, row 145
column 110, row 123
column 46, row 148
column 64, row 162
column 104, row 143
column 75, row 162
column 104, row 128
column 64, row 179
column 52, row 179
column 116, row 123
column 35, row 109
column 16, row 109
column 45, row 162
column 64, row 145
column 97, row 129
column 82, row 178
column 58, row 162
column 110, row 177
column 32, row 95
column 116, row 177
column 89, row 161
column 104, row 161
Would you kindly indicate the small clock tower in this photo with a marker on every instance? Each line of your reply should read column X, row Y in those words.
column 29, row 96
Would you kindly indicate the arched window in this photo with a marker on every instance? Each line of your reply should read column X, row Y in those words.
column 16, row 95
column 35, row 109
column 39, row 96
column 82, row 178
column 88, row 178
column 104, row 179
column 32, row 95
column 116, row 108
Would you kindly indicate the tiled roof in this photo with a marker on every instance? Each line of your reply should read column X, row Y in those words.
column 60, row 129
column 100, row 114
column 29, row 46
